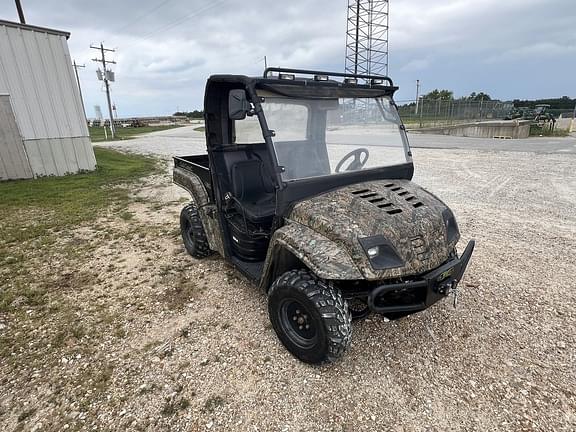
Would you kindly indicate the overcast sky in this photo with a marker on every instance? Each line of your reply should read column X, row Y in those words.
column 167, row 48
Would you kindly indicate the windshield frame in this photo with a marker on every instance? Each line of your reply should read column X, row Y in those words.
column 270, row 134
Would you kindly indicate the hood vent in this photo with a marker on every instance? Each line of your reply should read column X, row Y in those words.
column 403, row 193
column 378, row 200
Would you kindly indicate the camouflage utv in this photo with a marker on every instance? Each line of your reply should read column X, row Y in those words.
column 306, row 190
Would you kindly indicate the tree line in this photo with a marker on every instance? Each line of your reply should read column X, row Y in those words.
column 561, row 103
column 190, row 114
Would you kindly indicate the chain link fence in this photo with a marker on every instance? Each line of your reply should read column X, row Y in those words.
column 427, row 113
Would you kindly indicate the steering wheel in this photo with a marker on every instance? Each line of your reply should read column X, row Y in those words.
column 360, row 156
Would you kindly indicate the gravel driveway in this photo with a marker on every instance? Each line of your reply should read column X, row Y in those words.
column 505, row 359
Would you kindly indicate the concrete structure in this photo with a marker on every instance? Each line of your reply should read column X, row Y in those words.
column 43, row 130
column 507, row 129
column 565, row 122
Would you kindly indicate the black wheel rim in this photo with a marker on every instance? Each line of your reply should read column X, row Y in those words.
column 187, row 232
column 297, row 323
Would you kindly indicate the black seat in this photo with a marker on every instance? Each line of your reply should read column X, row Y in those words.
column 254, row 190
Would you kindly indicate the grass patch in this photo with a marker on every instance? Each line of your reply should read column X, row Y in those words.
column 31, row 207
column 171, row 408
column 35, row 215
column 213, row 403
column 200, row 129
column 97, row 133
column 180, row 290
column 26, row 414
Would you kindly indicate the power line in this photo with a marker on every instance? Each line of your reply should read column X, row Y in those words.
column 140, row 17
column 107, row 76
column 178, row 21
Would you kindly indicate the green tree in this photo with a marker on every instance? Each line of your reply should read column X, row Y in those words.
column 478, row 96
column 440, row 94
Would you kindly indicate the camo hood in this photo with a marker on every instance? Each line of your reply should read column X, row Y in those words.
column 412, row 220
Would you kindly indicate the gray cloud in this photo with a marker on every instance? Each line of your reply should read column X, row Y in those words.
column 167, row 48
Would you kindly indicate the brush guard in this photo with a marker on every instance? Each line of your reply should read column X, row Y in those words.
column 418, row 295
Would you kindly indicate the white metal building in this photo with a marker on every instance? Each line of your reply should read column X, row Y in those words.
column 43, row 129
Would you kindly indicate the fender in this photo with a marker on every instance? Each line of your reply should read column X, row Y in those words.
column 206, row 209
column 322, row 256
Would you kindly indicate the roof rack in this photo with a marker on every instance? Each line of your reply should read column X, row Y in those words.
column 329, row 74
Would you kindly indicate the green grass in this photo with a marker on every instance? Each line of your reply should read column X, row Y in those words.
column 29, row 208
column 97, row 133
column 36, row 220
column 200, row 129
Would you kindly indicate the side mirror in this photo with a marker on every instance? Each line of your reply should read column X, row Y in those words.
column 238, row 105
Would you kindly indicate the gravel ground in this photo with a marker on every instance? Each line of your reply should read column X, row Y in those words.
column 172, row 343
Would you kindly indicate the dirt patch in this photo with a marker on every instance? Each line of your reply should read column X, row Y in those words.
column 115, row 327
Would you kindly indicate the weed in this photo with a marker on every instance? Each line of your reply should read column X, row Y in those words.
column 213, row 402
column 26, row 414
column 171, row 408
column 126, row 215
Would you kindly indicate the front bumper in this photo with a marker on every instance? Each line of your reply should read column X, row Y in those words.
column 418, row 295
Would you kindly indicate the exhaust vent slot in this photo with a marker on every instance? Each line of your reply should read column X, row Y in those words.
column 370, row 195
column 410, row 198
column 418, row 204
column 378, row 200
column 403, row 193
column 396, row 189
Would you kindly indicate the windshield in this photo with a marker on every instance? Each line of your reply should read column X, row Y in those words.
column 333, row 136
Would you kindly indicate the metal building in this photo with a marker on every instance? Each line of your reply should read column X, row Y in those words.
column 43, row 128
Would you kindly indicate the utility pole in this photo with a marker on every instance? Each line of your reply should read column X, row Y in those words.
column 20, row 12
column 573, row 120
column 265, row 63
column 417, row 94
column 106, row 75
column 76, row 66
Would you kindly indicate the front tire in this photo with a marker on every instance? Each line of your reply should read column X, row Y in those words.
column 310, row 317
column 193, row 234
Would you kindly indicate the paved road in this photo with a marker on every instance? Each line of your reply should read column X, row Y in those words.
column 186, row 141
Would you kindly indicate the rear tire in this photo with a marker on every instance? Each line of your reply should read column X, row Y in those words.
column 310, row 317
column 193, row 234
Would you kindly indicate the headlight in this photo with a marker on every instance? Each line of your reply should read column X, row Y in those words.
column 373, row 252
column 381, row 253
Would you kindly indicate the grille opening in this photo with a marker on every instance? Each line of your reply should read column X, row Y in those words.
column 418, row 204
column 361, row 191
column 410, row 198
column 395, row 189
column 376, row 200
column 385, row 205
column 370, row 195
column 389, row 185
column 403, row 193
column 394, row 211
